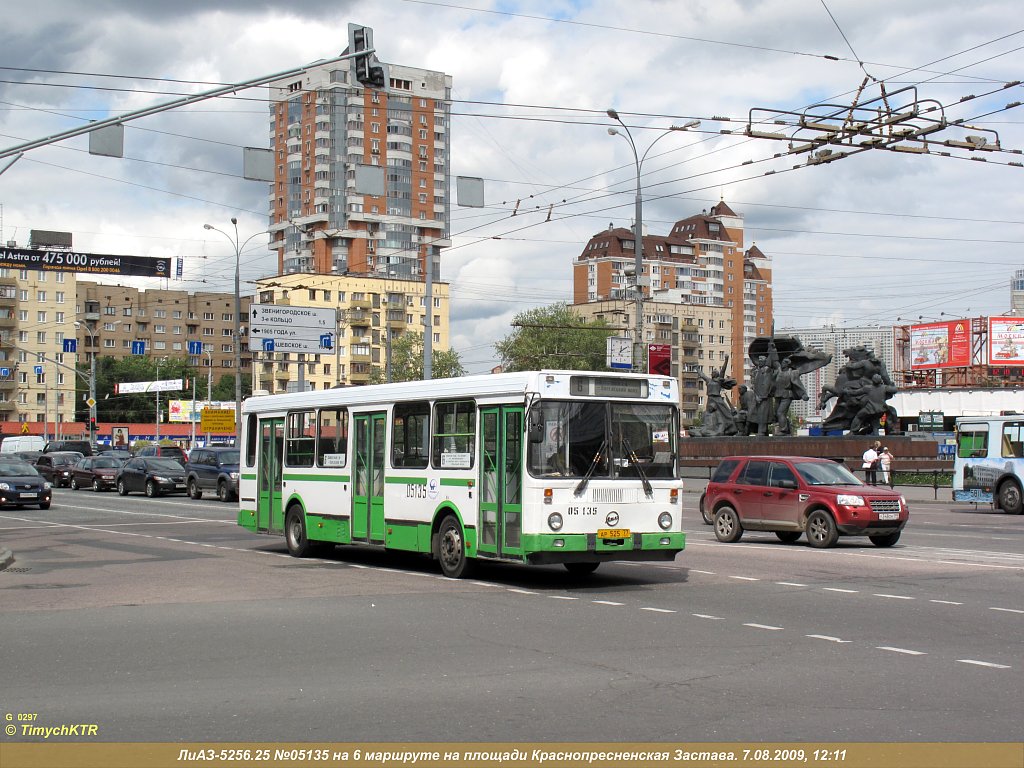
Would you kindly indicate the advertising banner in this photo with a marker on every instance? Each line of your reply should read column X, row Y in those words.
column 940, row 345
column 84, row 263
column 184, row 411
column 659, row 359
column 1006, row 341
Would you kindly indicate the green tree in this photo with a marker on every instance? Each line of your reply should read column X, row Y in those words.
column 224, row 389
column 554, row 337
column 113, row 407
column 407, row 361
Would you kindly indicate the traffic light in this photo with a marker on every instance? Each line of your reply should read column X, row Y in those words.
column 369, row 71
column 92, row 425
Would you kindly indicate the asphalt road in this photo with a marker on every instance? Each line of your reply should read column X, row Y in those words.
column 160, row 620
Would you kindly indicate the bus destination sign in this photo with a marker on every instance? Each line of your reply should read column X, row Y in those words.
column 606, row 386
column 42, row 260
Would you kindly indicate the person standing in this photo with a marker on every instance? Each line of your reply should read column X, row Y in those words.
column 885, row 467
column 869, row 463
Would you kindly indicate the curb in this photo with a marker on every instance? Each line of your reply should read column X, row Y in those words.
column 6, row 558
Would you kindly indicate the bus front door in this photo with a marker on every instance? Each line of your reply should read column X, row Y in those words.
column 501, row 481
column 269, row 514
column 368, row 490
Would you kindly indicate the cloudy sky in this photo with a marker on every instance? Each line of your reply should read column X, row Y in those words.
column 867, row 239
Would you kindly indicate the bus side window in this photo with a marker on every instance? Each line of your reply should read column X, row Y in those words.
column 332, row 438
column 410, row 436
column 972, row 441
column 300, row 439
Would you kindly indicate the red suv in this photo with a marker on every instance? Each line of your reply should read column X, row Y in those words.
column 791, row 495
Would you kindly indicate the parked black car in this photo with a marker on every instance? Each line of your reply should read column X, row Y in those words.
column 84, row 447
column 21, row 485
column 210, row 469
column 96, row 472
column 152, row 476
column 56, row 467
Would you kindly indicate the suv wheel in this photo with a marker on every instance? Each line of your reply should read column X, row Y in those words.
column 222, row 491
column 727, row 525
column 885, row 539
column 194, row 491
column 705, row 513
column 821, row 530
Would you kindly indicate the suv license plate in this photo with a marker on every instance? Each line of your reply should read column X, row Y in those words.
column 888, row 515
column 613, row 533
column 30, row 495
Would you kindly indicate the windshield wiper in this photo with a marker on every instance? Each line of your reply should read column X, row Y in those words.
column 582, row 485
column 648, row 491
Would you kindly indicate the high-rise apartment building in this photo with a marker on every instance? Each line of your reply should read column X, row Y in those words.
column 361, row 175
column 701, row 262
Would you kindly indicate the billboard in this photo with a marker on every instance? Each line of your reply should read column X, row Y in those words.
column 940, row 345
column 659, row 359
column 1006, row 341
column 85, row 263
column 185, row 411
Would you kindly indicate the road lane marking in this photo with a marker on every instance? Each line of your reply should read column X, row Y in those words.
column 764, row 626
column 900, row 650
column 837, row 589
column 984, row 664
column 706, row 573
column 606, row 602
column 1007, row 610
column 894, row 597
column 744, row 578
column 789, row 584
column 657, row 610
column 523, row 592
column 706, row 616
column 562, row 597
column 829, row 638
column 945, row 602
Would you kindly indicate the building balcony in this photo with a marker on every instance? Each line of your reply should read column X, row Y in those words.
column 359, row 377
column 8, row 406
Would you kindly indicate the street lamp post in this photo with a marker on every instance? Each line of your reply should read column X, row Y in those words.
column 91, row 330
column 238, row 319
column 638, row 244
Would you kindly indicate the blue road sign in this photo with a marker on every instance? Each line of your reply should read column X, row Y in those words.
column 326, row 341
column 138, row 347
column 195, row 347
column 38, row 370
column 268, row 345
column 5, row 372
column 71, row 345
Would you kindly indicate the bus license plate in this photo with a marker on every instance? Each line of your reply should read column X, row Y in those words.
column 888, row 515
column 613, row 533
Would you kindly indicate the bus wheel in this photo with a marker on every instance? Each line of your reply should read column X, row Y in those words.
column 1009, row 498
column 451, row 549
column 295, row 533
column 581, row 569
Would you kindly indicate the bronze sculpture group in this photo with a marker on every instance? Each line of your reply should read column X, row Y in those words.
column 861, row 390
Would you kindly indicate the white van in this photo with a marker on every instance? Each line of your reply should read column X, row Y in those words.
column 17, row 443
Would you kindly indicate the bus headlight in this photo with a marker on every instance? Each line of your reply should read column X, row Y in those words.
column 555, row 521
column 665, row 521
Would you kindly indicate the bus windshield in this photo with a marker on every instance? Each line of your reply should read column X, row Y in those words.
column 617, row 440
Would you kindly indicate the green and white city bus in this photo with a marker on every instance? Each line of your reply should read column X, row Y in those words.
column 568, row 467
